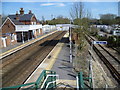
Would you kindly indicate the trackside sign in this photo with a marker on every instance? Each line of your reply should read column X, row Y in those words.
column 99, row 42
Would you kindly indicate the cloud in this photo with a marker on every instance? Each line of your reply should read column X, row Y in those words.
column 61, row 4
column 47, row 4
column 53, row 4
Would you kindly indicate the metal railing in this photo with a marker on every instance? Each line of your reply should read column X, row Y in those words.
column 81, row 82
column 44, row 81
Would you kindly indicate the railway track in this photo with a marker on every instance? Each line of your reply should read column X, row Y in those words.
column 116, row 50
column 109, row 60
column 19, row 66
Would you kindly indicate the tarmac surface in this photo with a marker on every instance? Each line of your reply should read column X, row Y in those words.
column 62, row 66
column 58, row 62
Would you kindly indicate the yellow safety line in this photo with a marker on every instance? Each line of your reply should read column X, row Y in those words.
column 26, row 44
column 54, row 57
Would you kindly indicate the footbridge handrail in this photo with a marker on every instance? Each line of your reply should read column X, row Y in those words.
column 43, row 80
column 81, row 81
column 18, row 86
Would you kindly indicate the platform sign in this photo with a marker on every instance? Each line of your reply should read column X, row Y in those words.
column 99, row 42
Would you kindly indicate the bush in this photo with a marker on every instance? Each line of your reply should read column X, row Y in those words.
column 93, row 31
column 113, row 41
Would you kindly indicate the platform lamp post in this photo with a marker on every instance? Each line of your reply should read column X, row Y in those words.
column 70, row 43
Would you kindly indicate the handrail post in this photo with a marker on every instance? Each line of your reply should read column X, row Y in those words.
column 55, row 79
column 81, row 83
column 45, row 73
column 36, row 86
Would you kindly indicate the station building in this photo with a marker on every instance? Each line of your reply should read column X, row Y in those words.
column 19, row 28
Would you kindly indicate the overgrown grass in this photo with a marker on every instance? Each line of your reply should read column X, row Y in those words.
column 80, row 62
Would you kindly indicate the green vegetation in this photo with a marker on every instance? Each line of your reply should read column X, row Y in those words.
column 106, row 19
column 93, row 31
column 82, row 19
column 54, row 21
column 80, row 42
column 59, row 21
column 81, row 47
column 117, row 20
column 113, row 41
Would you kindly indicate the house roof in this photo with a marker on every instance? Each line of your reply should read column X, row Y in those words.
column 24, row 17
column 16, row 22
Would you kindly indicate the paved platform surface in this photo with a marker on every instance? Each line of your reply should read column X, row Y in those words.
column 16, row 45
column 62, row 66
column 59, row 62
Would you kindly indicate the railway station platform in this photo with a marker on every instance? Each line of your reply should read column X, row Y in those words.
column 55, row 71
column 13, row 48
column 58, row 61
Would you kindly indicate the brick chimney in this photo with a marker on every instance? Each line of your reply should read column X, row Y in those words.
column 17, row 17
column 21, row 11
column 30, row 12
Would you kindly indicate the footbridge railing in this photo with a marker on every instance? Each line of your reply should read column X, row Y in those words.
column 47, row 79
column 83, row 82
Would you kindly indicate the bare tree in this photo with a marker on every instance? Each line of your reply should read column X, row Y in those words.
column 43, row 18
column 60, row 17
column 77, row 11
column 0, row 20
column 88, row 14
column 78, row 14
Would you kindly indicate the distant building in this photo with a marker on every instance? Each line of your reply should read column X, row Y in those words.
column 62, row 27
column 19, row 28
column 48, row 28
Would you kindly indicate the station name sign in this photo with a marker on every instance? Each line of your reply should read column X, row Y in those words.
column 99, row 42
